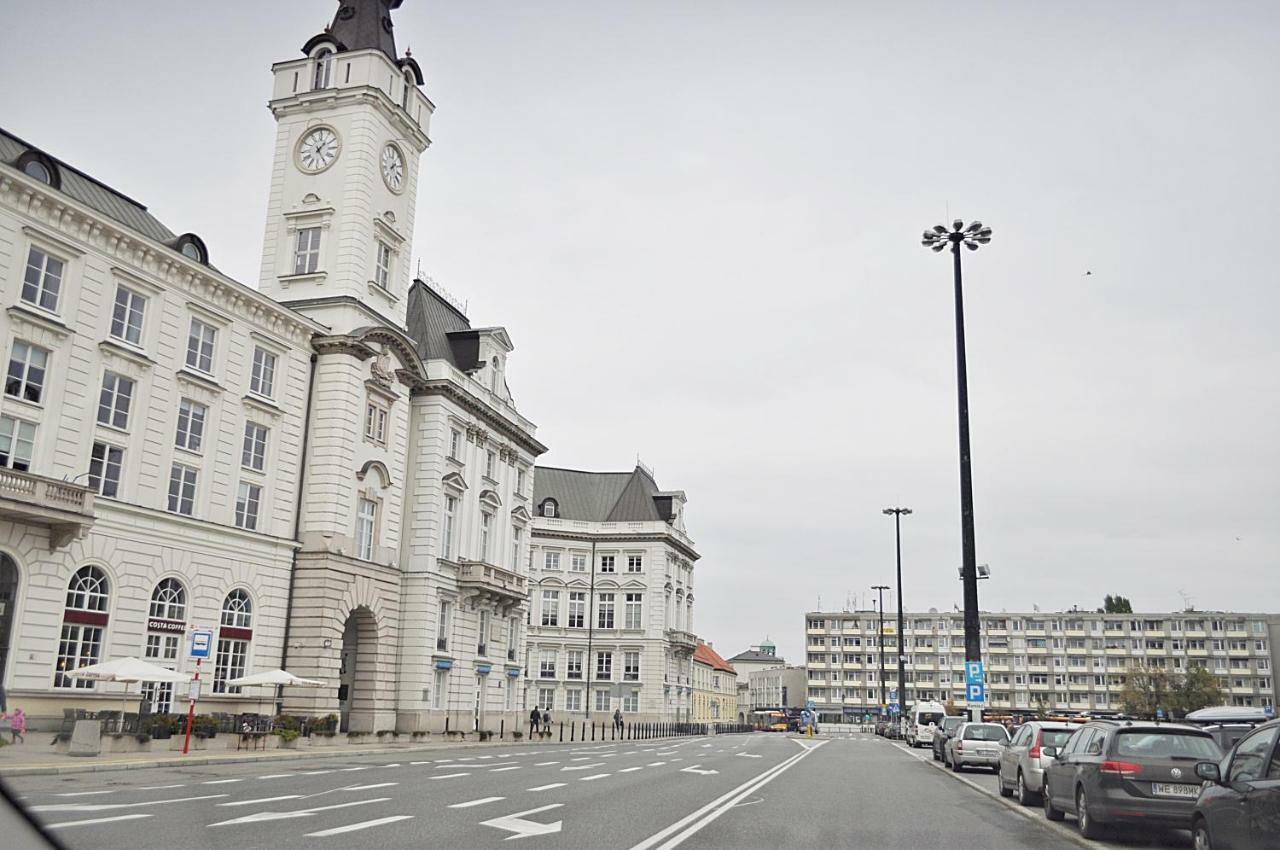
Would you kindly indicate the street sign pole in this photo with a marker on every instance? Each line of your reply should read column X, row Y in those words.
column 201, row 643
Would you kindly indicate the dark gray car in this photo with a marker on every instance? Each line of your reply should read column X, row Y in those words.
column 946, row 730
column 1111, row 772
column 1239, row 807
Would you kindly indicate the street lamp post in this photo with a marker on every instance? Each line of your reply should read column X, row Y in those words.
column 898, row 514
column 880, row 640
column 975, row 234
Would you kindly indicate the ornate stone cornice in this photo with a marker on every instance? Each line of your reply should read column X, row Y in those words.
column 482, row 411
column 622, row 537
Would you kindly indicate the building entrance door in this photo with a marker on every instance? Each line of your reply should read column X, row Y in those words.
column 347, row 672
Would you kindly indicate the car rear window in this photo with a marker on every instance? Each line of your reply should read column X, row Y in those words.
column 1055, row 737
column 951, row 724
column 926, row 718
column 1163, row 745
column 985, row 733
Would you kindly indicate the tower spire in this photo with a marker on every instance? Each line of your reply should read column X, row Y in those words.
column 361, row 24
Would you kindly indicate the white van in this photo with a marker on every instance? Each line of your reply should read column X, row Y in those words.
column 921, row 722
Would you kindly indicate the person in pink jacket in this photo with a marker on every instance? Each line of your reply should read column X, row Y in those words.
column 18, row 725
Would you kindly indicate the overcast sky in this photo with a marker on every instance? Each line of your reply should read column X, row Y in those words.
column 700, row 224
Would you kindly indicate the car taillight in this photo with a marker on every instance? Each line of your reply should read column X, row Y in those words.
column 1121, row 768
column 959, row 746
column 1034, row 752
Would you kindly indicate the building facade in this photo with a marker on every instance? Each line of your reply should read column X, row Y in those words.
column 777, row 687
column 762, row 657
column 329, row 471
column 1069, row 661
column 715, row 687
column 611, row 580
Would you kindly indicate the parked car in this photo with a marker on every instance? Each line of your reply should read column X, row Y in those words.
column 945, row 731
column 975, row 745
column 1239, row 806
column 1022, row 761
column 1110, row 772
column 1228, row 734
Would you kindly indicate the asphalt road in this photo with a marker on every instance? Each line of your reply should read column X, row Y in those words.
column 739, row 791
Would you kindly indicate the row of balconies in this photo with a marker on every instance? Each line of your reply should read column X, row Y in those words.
column 890, row 627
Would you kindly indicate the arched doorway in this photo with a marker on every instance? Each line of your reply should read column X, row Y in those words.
column 8, row 610
column 357, row 673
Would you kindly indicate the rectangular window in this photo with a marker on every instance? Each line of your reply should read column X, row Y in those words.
column 191, row 417
column 27, row 366
column 604, row 612
column 482, row 645
column 578, row 563
column 126, row 317
column 547, row 664
column 114, row 401
column 247, row 502
column 455, row 444
column 441, row 685
column 577, row 609
column 573, row 700
column 253, row 454
column 547, row 698
column 516, row 534
column 450, row 518
column 78, row 646
column 604, row 665
column 200, row 341
column 182, row 489
column 375, row 423
column 602, row 700
column 550, row 607
column 486, row 525
column 631, row 666
column 607, row 564
column 105, row 465
column 262, row 380
column 489, row 459
column 366, row 514
column 17, row 443
column 229, row 663
column 573, row 668
column 551, row 561
column 631, row 702
column 519, row 480
column 635, row 563
column 634, row 609
column 444, row 625
column 382, row 270
column 42, row 282
column 306, row 251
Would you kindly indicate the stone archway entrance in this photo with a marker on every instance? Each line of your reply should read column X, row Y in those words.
column 8, row 609
column 357, row 673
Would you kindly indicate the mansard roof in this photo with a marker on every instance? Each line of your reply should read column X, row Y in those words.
column 360, row 25
column 598, row 496
column 756, row 655
column 440, row 330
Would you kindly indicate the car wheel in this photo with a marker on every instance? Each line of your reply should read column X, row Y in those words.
column 1051, row 811
column 1025, row 797
column 1089, row 827
column 1200, row 839
column 1004, row 791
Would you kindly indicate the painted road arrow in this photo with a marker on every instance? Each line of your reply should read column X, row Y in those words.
column 523, row 828
column 693, row 768
column 300, row 813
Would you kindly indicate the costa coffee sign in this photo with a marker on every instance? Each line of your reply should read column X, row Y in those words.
column 166, row 626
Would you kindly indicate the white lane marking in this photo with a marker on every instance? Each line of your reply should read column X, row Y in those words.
column 102, row 807
column 369, row 787
column 352, row 827
column 442, row 761
column 583, row 766
column 275, row 776
column 629, row 753
column 397, row 764
column 593, row 777
column 93, row 821
column 484, row 757
column 161, row 787
column 87, row 793
column 691, row 823
column 299, row 813
column 521, row 828
column 504, row 769
column 221, row 781
column 347, row 769
column 656, row 763
column 547, row 787
column 582, row 758
column 479, row 802
column 316, row 772
column 261, row 800
column 450, row 775
column 706, row 745
column 416, row 763
column 539, row 764
column 631, row 769
column 748, row 755
column 693, row 768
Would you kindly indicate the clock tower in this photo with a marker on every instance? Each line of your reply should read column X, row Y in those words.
column 352, row 123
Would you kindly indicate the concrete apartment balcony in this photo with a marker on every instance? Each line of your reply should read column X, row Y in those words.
column 1238, row 634
column 682, row 640
column 1195, row 634
column 65, row 509
column 498, row 585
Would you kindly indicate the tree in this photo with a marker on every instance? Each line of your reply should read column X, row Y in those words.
column 1147, row 689
column 1198, row 689
column 1116, row 605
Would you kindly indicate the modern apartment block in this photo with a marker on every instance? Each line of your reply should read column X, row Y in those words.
column 1068, row 661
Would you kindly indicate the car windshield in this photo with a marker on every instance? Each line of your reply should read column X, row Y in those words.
column 1055, row 737
column 951, row 724
column 1171, row 744
column 985, row 732
column 926, row 718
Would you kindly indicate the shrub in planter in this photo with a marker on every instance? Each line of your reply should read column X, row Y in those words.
column 517, row 735
column 287, row 735
column 141, row 737
column 204, row 727
column 328, row 723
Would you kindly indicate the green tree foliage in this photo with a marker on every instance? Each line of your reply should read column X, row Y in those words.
column 1116, row 605
column 1147, row 689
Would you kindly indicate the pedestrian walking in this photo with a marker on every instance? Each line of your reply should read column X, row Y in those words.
column 617, row 719
column 18, row 725
column 546, row 723
column 534, row 717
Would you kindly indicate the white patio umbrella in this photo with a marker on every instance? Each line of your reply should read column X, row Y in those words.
column 128, row 670
column 275, row 677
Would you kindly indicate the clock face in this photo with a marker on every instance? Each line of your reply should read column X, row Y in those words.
column 318, row 149
column 393, row 168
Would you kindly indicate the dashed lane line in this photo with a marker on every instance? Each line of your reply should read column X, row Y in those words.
column 102, row 807
column 656, row 764
column 161, row 787
column 221, row 781
column 450, row 775
column 594, row 777
column 547, row 787
column 368, row 787
column 545, row 763
column 91, row 821
column 262, row 800
column 353, row 827
column 479, row 802
column 582, row 766
column 631, row 769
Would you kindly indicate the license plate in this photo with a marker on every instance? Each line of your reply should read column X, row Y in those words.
column 1161, row 789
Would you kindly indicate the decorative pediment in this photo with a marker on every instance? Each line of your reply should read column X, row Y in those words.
column 454, row 481
column 490, row 498
column 520, row 514
column 378, row 467
column 635, row 584
column 576, row 583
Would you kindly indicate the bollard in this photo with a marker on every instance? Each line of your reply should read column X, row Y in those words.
column 446, row 724
column 593, row 730
column 572, row 727
column 502, row 728
column 562, row 731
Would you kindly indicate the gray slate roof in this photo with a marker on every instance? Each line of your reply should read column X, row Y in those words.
column 83, row 188
column 431, row 321
column 753, row 655
column 362, row 27
column 598, row 496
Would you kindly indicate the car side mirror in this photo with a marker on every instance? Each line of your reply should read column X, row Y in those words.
column 1052, row 752
column 1209, row 771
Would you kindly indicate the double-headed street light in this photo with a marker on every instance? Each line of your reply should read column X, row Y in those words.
column 898, row 514
column 971, row 236
column 880, row 640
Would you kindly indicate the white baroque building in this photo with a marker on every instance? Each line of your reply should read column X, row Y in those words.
column 329, row 470
column 611, row 617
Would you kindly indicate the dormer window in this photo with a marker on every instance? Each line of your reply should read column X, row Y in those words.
column 324, row 65
column 191, row 247
column 550, row 508
column 38, row 167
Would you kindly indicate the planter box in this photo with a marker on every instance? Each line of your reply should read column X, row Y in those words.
column 124, row 744
column 327, row 741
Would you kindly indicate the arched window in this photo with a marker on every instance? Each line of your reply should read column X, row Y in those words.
column 233, row 641
column 169, row 600
column 324, row 64
column 549, row 508
column 408, row 87
column 38, row 166
column 83, row 624
column 237, row 610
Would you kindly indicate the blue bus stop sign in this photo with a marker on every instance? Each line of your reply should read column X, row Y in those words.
column 201, row 641
column 1269, row 711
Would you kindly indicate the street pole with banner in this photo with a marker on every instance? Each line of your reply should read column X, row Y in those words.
column 201, row 641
